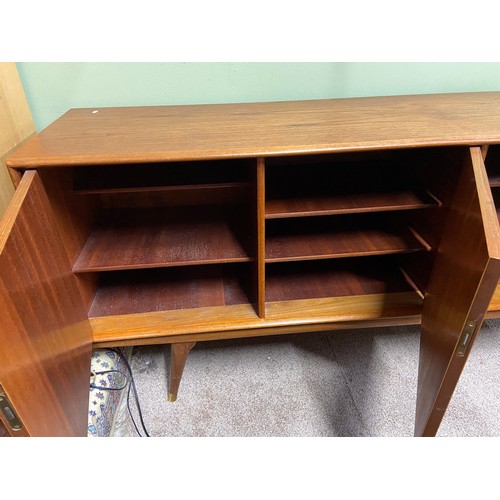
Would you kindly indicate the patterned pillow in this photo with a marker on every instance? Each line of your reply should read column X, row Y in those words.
column 103, row 403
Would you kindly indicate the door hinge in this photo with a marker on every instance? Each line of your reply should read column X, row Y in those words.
column 465, row 338
column 8, row 412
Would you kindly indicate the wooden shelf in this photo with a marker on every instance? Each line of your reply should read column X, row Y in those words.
column 334, row 239
column 144, row 238
column 146, row 305
column 155, row 177
column 494, row 180
column 343, row 203
column 292, row 316
column 313, row 185
column 339, row 278
column 153, row 189
column 140, row 291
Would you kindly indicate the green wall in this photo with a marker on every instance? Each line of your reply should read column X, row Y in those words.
column 53, row 88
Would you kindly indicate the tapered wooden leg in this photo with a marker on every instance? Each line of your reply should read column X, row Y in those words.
column 178, row 356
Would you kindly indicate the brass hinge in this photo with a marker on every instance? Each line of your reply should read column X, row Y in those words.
column 8, row 412
column 465, row 338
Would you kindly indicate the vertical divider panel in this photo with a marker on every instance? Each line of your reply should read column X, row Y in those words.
column 261, row 238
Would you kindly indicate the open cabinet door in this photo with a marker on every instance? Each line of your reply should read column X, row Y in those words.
column 464, row 277
column 45, row 335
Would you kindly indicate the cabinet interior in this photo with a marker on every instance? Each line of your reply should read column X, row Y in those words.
column 147, row 238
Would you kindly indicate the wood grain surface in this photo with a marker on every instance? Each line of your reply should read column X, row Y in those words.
column 170, row 133
column 461, row 286
column 45, row 336
column 289, row 240
column 346, row 203
column 292, row 316
column 133, row 292
column 121, row 162
column 132, row 239
column 335, row 278
column 74, row 216
column 261, row 236
column 494, row 307
column 178, row 356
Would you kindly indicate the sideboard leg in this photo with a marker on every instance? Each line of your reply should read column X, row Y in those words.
column 178, row 356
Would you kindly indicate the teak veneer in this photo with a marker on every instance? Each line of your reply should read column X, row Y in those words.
column 179, row 224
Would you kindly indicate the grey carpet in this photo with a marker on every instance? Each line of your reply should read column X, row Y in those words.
column 352, row 383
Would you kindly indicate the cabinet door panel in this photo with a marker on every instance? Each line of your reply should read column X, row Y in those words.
column 45, row 335
column 464, row 277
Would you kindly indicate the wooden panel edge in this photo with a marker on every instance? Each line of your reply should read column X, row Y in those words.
column 289, row 315
column 268, row 331
column 10, row 215
column 261, row 238
column 486, row 203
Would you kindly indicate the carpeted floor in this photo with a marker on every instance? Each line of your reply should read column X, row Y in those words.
column 352, row 383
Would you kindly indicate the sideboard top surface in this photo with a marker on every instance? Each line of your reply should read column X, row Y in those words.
column 91, row 136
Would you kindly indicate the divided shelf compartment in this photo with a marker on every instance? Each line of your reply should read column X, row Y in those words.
column 128, row 238
column 333, row 221
column 344, row 183
column 185, row 235
column 341, row 236
column 167, row 236
column 334, row 278
column 169, row 289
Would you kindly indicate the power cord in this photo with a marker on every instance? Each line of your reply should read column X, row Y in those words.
column 131, row 385
column 102, row 388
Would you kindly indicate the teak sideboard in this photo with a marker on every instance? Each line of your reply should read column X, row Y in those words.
column 179, row 224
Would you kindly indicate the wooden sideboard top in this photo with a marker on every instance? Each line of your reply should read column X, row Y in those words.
column 214, row 131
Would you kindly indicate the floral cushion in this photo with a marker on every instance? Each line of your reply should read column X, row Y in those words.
column 103, row 402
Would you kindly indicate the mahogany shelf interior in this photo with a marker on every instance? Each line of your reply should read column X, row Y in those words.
column 160, row 177
column 335, row 227
column 334, row 278
column 183, row 187
column 159, row 237
column 150, row 290
column 328, row 185
column 343, row 203
column 169, row 289
column 339, row 236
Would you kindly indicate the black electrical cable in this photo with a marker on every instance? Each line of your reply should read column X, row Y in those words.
column 102, row 388
column 131, row 384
